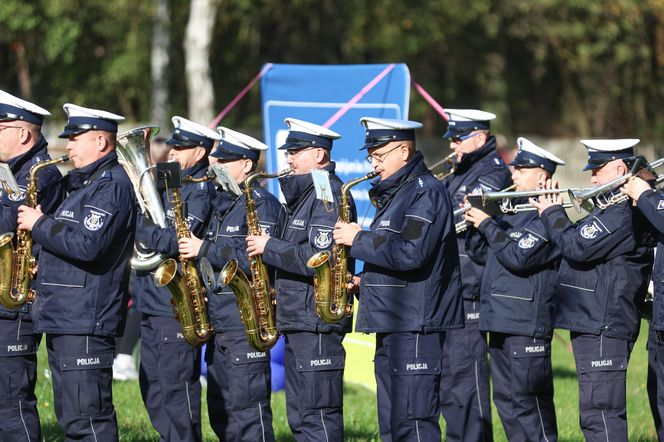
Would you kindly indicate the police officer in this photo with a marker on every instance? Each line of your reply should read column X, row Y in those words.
column 238, row 375
column 170, row 367
column 651, row 203
column 600, row 283
column 465, row 402
column 83, row 274
column 517, row 301
column 410, row 286
column 21, row 147
column 314, row 357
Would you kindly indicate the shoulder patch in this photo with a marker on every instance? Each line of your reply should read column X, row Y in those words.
column 660, row 205
column 94, row 220
column 528, row 241
column 18, row 196
column 591, row 230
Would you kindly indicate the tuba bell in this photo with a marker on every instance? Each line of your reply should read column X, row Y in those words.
column 133, row 148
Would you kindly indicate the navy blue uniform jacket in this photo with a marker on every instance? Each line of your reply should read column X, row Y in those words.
column 50, row 193
column 482, row 169
column 604, row 273
column 84, row 259
column 308, row 230
column 198, row 197
column 411, row 276
column 519, row 282
column 225, row 240
column 651, row 204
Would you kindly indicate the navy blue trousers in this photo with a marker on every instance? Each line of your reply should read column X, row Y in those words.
column 407, row 367
column 239, row 389
column 82, row 374
column 169, row 377
column 19, row 419
column 314, row 369
column 656, row 378
column 601, row 365
column 523, row 387
column 464, row 388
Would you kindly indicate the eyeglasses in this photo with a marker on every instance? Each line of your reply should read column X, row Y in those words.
column 296, row 152
column 460, row 138
column 379, row 158
column 9, row 127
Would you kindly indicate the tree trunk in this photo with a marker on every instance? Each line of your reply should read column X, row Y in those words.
column 159, row 108
column 197, row 42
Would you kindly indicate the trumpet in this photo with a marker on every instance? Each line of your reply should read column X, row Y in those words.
column 462, row 225
column 582, row 198
column 447, row 164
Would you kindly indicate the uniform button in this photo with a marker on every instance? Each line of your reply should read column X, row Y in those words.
column 238, row 359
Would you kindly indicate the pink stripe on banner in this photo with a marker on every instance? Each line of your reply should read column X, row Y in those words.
column 239, row 96
column 340, row 113
column 433, row 103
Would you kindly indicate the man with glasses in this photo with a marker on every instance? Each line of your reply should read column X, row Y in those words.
column 170, row 367
column 314, row 357
column 83, row 275
column 21, row 147
column 465, row 401
column 410, row 287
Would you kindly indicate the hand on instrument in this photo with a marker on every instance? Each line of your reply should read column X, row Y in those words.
column 344, row 233
column 475, row 216
column 354, row 285
column 256, row 244
column 634, row 188
column 189, row 247
column 543, row 202
column 27, row 217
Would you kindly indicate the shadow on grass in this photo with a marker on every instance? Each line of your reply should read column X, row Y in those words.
column 563, row 373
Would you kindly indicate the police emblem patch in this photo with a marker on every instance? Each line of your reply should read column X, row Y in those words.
column 590, row 231
column 528, row 241
column 17, row 196
column 323, row 239
column 94, row 220
column 660, row 205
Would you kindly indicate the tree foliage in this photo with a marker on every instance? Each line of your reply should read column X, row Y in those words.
column 553, row 67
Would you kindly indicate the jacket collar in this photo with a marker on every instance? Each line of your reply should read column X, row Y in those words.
column 16, row 163
column 383, row 190
column 473, row 157
column 295, row 186
column 79, row 178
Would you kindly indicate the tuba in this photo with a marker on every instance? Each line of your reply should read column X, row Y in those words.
column 331, row 268
column 17, row 265
column 188, row 295
column 133, row 148
column 255, row 298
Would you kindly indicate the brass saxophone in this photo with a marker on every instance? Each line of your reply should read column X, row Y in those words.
column 255, row 298
column 331, row 268
column 17, row 265
column 187, row 293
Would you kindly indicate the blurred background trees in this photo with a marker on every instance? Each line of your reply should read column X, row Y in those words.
column 557, row 68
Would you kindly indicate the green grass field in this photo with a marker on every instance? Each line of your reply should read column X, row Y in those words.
column 360, row 403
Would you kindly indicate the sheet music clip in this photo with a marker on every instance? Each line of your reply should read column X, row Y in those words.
column 7, row 181
column 322, row 186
